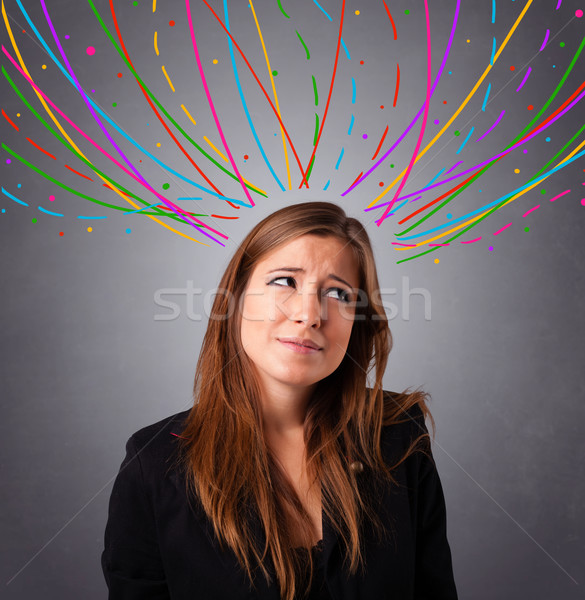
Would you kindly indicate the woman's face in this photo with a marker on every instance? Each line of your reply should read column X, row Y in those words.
column 298, row 312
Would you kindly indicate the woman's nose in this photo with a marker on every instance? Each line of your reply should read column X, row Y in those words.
column 306, row 307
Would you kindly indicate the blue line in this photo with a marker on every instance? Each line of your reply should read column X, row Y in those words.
column 351, row 125
column 489, row 89
column 339, row 159
column 434, row 178
column 493, row 11
column 346, row 50
column 113, row 124
column 188, row 198
column 498, row 201
column 353, row 90
column 465, row 140
column 14, row 197
column 322, row 10
column 48, row 212
column 104, row 217
column 133, row 212
column 400, row 206
column 327, row 184
column 241, row 93
column 493, row 52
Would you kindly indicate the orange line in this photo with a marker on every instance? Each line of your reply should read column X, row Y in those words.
column 379, row 145
column 397, row 84
column 8, row 119
column 391, row 20
column 78, row 173
column 39, row 148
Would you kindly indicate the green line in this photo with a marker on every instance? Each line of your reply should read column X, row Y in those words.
column 315, row 91
column 316, row 129
column 552, row 160
column 304, row 45
column 60, row 138
column 516, row 139
column 71, row 190
column 282, row 9
column 159, row 105
column 310, row 169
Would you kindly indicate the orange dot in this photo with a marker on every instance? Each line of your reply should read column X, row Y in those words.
column 119, row 74
column 530, row 107
column 172, row 23
column 512, row 68
column 361, row 62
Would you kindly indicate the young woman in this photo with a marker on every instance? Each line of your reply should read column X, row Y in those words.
column 294, row 475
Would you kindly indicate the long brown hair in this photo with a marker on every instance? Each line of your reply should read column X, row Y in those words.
column 230, row 469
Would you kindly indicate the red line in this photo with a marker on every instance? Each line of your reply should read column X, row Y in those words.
column 357, row 178
column 39, row 148
column 154, row 108
column 8, row 119
column 379, row 145
column 391, row 19
column 78, row 173
column 222, row 217
column 397, row 84
column 261, row 87
column 328, row 96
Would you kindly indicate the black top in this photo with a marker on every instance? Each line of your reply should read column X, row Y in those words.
column 318, row 590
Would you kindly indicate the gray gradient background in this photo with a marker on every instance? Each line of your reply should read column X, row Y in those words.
column 85, row 363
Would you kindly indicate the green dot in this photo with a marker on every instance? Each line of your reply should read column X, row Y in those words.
column 407, row 12
column 526, row 228
column 543, row 191
column 456, row 133
column 166, row 186
column 135, row 2
column 114, row 104
column 275, row 73
column 391, row 166
column 562, row 44
column 34, row 219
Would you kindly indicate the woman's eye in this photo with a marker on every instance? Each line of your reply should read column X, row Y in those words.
column 339, row 294
column 288, row 281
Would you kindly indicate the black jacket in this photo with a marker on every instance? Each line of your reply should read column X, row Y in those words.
column 157, row 547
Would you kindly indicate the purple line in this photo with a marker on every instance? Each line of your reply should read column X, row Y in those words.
column 559, row 5
column 504, row 153
column 407, row 130
column 545, row 40
column 173, row 207
column 493, row 126
column 525, row 78
column 454, row 167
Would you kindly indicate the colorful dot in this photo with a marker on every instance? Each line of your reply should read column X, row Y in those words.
column 361, row 62
column 562, row 44
column 119, row 74
column 114, row 104
column 246, row 157
column 275, row 73
column 18, row 114
column 543, row 191
column 34, row 219
column 381, row 184
column 547, row 139
column 365, row 136
column 530, row 107
column 357, row 12
column 491, row 248
column 90, row 50
column 215, row 61
column 436, row 121
column 51, row 198
column 93, row 91
column 166, row 186
column 579, row 13
column 135, row 2
column 407, row 12
column 444, row 101
column 19, row 185
column 128, row 230
column 456, row 133
column 382, row 106
column 172, row 23
column 512, row 68
column 516, row 171
column 158, row 144
column 583, row 201
column 468, row 41
column 525, row 151
column 526, row 228
column 66, row 36
column 61, row 233
column 449, row 216
column 90, row 229
column 391, row 166
column 3, row 210
column 43, row 66
column 436, row 261
column 8, row 161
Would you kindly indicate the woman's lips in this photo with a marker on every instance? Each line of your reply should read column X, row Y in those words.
column 300, row 349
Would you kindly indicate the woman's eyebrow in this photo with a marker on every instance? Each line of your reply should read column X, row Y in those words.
column 299, row 270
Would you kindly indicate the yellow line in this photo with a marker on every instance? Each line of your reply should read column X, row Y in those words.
column 463, row 105
column 168, row 79
column 71, row 142
column 153, row 6
column 216, row 149
column 187, row 113
column 156, row 42
column 521, row 193
column 274, row 91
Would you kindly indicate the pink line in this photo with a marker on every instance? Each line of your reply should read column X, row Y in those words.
column 436, row 245
column 502, row 229
column 424, row 121
column 565, row 192
column 204, row 82
column 525, row 78
column 472, row 241
column 531, row 210
column 407, row 245
column 545, row 40
column 96, row 145
column 492, row 127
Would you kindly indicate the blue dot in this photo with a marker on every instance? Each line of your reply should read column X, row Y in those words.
column 19, row 185
column 3, row 210
column 554, row 66
column 450, row 72
column 147, row 124
column 479, row 191
column 128, row 230
column 449, row 216
column 547, row 139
